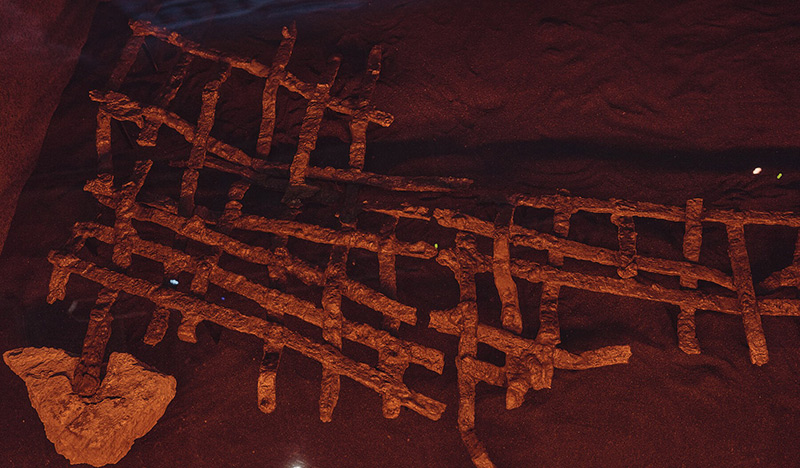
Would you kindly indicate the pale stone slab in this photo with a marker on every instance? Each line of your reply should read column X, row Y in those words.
column 97, row 430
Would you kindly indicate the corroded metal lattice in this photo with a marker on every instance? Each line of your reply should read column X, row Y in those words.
column 529, row 361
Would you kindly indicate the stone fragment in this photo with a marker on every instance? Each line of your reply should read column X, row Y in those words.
column 99, row 430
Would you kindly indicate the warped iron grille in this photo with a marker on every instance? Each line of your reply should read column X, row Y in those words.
column 529, row 361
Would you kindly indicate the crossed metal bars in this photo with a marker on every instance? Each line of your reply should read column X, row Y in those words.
column 628, row 262
column 208, row 151
column 529, row 362
column 394, row 355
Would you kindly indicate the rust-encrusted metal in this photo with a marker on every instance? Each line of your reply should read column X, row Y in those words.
column 530, row 361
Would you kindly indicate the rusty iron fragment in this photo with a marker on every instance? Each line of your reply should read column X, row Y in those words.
column 157, row 327
column 501, row 264
column 86, row 379
column 743, row 280
column 549, row 330
column 311, row 123
column 149, row 133
column 196, row 310
column 627, row 245
column 332, row 327
column 692, row 237
column 531, row 356
column 268, row 372
column 358, row 108
column 121, row 107
column 270, row 93
column 358, row 126
column 129, row 53
column 200, row 141
column 529, row 363
column 561, row 216
column 387, row 269
column 687, row 335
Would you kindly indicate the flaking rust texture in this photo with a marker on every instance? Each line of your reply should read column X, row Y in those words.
column 530, row 361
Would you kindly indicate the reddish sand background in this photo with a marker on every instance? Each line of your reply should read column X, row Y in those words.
column 604, row 99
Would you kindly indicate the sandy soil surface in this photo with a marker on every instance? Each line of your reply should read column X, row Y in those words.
column 657, row 103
